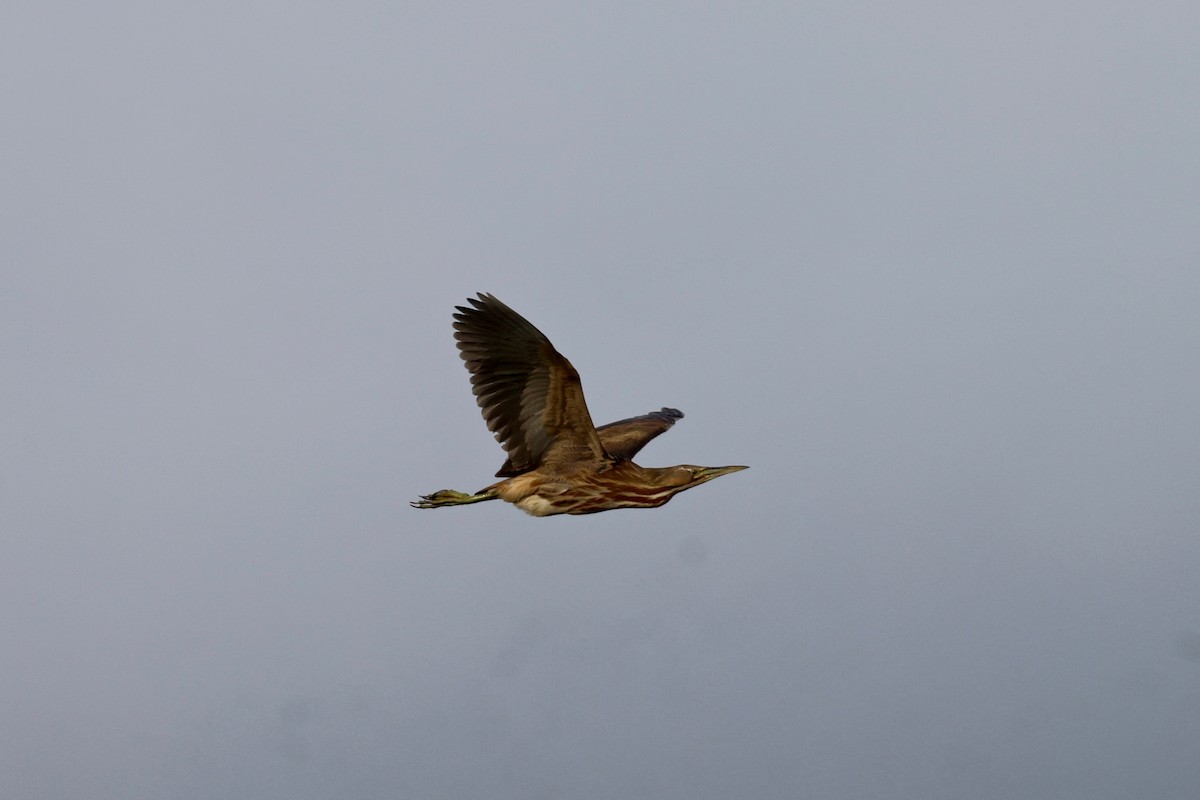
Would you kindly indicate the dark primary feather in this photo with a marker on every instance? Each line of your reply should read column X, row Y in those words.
column 529, row 393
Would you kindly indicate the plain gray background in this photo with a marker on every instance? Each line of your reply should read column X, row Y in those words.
column 931, row 269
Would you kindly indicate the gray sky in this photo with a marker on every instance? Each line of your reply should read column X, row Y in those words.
column 931, row 269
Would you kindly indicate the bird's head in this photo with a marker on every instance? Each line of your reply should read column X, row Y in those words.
column 685, row 476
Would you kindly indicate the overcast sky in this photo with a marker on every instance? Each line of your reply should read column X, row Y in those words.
column 931, row 269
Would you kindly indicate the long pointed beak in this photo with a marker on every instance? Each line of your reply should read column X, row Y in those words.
column 708, row 473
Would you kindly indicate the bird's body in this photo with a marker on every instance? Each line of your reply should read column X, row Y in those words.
column 532, row 400
column 624, row 485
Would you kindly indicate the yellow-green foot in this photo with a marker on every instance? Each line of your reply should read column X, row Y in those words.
column 449, row 497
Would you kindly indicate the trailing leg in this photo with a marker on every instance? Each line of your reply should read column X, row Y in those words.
column 449, row 497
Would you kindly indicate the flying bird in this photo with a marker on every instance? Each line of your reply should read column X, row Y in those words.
column 558, row 461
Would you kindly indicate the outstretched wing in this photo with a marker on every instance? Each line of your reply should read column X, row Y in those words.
column 623, row 439
column 529, row 393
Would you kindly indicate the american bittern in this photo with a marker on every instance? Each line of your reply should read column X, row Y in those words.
column 558, row 462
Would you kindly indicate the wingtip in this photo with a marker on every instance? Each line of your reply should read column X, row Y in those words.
column 476, row 304
column 482, row 299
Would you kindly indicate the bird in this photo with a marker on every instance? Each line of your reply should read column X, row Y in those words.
column 558, row 461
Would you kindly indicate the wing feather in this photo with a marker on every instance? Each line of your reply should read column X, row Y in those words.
column 624, row 438
column 530, row 395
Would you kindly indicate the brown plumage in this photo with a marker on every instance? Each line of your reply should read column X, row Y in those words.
column 532, row 400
